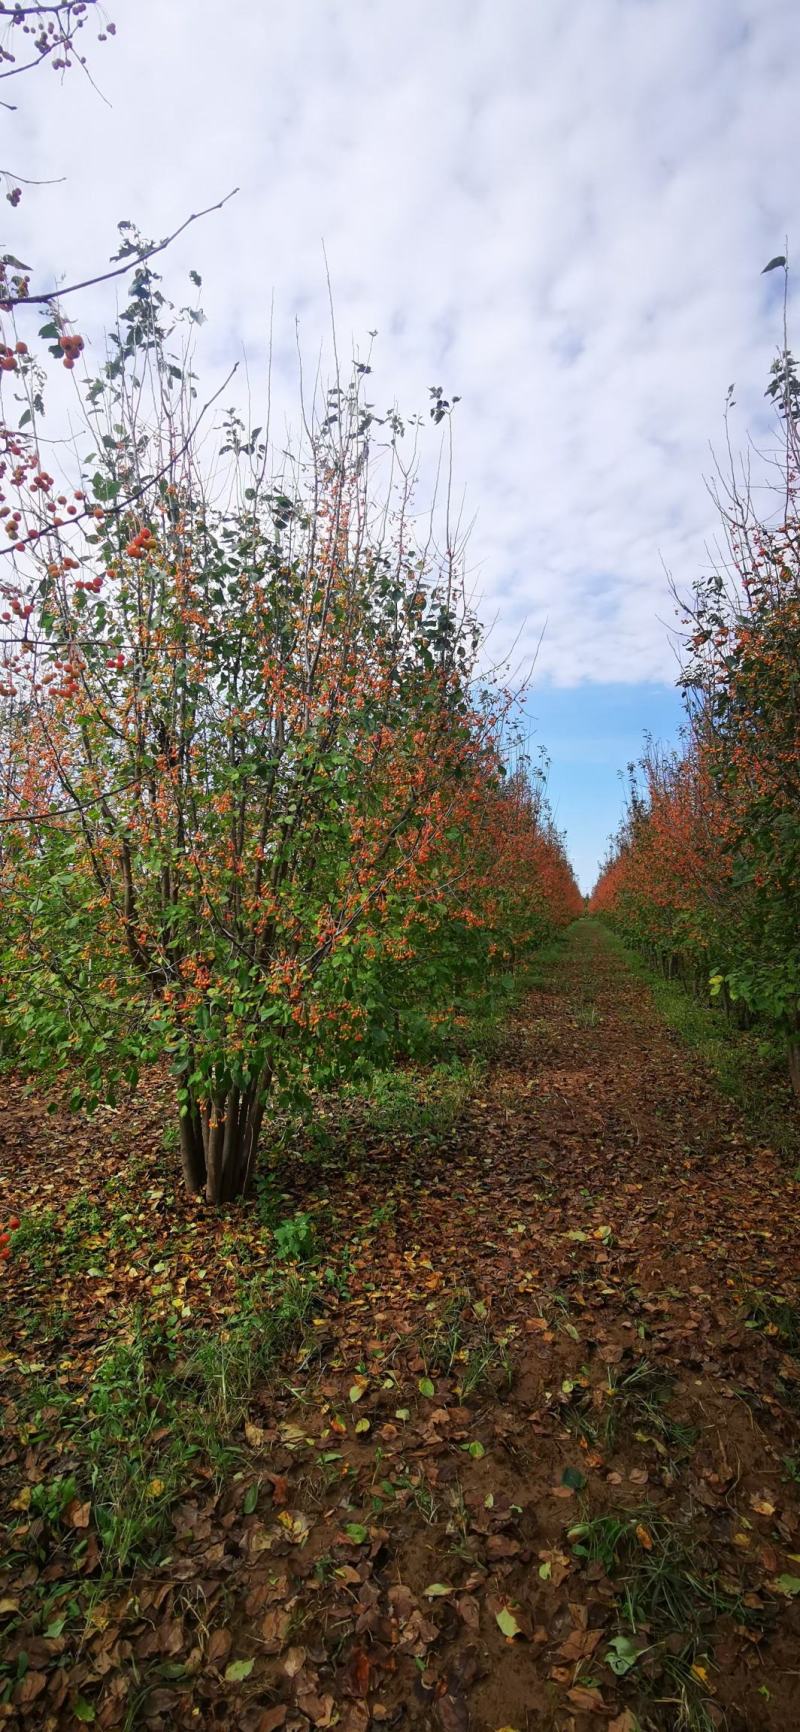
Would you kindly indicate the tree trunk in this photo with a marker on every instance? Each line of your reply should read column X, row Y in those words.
column 231, row 1129
column 219, row 1143
column 193, row 1155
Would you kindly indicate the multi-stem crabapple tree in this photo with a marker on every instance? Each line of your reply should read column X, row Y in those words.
column 239, row 732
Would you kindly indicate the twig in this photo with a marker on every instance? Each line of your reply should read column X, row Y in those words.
column 64, row 811
column 121, row 270
column 119, row 506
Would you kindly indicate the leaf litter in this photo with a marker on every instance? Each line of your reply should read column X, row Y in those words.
column 568, row 1326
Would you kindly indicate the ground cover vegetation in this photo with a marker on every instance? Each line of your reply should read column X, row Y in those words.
column 478, row 1415
column 704, row 875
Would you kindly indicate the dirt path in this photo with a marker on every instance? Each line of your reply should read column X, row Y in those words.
column 536, row 1464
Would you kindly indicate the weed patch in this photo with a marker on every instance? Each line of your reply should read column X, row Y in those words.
column 159, row 1409
column 749, row 1068
column 669, row 1598
column 460, row 1343
column 633, row 1405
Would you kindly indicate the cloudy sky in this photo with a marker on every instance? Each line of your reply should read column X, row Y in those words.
column 557, row 208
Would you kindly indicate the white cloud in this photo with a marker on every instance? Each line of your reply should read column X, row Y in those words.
column 558, row 210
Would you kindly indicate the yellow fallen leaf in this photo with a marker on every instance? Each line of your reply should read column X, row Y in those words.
column 508, row 1623
column 155, row 1488
column 297, row 1525
column 99, row 1617
column 292, row 1435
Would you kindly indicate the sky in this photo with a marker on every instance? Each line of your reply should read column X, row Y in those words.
column 559, row 211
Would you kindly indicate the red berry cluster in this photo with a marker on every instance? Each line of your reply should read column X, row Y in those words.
column 72, row 347
column 141, row 545
column 8, row 357
column 5, row 1237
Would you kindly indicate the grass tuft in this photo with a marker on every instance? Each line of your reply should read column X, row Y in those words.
column 669, row 1596
column 159, row 1411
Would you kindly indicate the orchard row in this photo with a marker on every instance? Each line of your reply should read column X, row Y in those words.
column 705, row 871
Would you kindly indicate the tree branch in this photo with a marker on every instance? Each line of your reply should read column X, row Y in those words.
column 122, row 270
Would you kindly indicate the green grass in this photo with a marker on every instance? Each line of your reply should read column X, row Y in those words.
column 418, row 1101
column 748, row 1067
column 160, row 1409
column 459, row 1342
column 668, row 1599
column 774, row 1314
column 407, row 1103
column 543, row 971
column 77, row 1239
column 633, row 1404
column 421, row 1103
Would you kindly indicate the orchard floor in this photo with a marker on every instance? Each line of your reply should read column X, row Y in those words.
column 528, row 1457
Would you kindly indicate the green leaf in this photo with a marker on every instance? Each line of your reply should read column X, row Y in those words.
column 84, row 1711
column 402, row 1413
column 573, row 1477
column 357, row 1532
column 238, row 1670
column 508, row 1623
column 425, row 1387
column 788, row 1585
column 545, row 1572
column 251, row 1498
column 622, row 1655
column 476, row 1449
column 437, row 1590
column 356, row 1391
